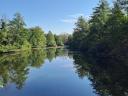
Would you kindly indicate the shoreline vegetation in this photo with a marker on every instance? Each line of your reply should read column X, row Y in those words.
column 105, row 33
column 20, row 50
column 14, row 36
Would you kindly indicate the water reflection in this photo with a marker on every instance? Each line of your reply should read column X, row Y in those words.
column 37, row 58
column 14, row 68
column 108, row 76
column 51, row 54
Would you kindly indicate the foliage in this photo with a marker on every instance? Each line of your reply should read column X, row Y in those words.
column 80, row 32
column 105, row 34
column 123, row 5
column 17, row 31
column 37, row 37
column 14, row 36
column 58, row 40
column 50, row 40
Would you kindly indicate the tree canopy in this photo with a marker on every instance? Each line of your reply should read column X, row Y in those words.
column 105, row 32
column 50, row 40
column 37, row 37
column 14, row 35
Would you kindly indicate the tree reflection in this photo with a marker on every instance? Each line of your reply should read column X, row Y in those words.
column 82, row 67
column 14, row 68
column 51, row 53
column 38, row 57
column 62, row 52
column 108, row 75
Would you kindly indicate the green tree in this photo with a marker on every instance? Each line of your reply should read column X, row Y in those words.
column 114, row 25
column 58, row 40
column 37, row 37
column 50, row 40
column 18, row 33
column 98, row 20
column 80, row 32
column 5, row 36
column 3, row 32
column 123, row 5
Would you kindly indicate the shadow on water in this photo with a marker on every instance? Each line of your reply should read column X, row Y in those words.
column 108, row 76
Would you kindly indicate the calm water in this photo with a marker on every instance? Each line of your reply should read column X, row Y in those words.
column 59, row 72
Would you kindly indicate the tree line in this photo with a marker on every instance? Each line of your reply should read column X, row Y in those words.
column 106, row 32
column 14, row 35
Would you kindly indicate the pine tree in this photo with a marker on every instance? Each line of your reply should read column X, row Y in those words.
column 123, row 4
column 99, row 18
column 98, row 21
column 114, row 25
column 80, row 32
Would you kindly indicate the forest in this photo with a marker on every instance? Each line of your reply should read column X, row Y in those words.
column 91, row 61
column 14, row 36
column 105, row 33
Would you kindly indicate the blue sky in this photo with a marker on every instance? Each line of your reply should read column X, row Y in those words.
column 55, row 15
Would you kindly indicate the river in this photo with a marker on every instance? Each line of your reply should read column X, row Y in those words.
column 60, row 72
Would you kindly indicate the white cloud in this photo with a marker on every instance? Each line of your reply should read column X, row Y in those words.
column 73, row 18
column 69, row 20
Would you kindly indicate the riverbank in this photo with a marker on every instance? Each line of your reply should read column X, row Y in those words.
column 18, row 50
